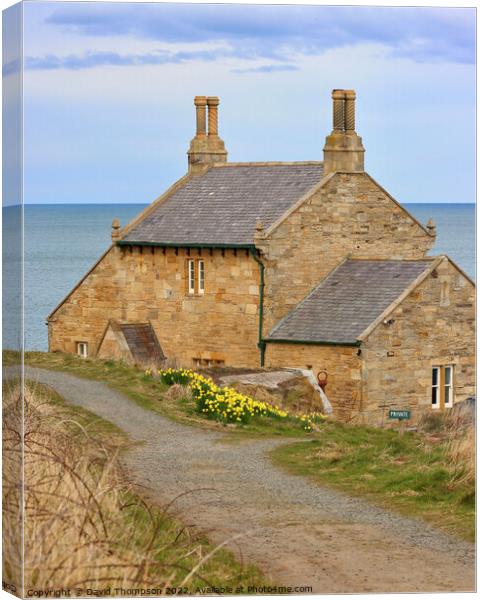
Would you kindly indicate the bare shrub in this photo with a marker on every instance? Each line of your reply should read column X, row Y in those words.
column 178, row 392
column 432, row 422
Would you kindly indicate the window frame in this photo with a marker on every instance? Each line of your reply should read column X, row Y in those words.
column 442, row 386
column 436, row 386
column 449, row 386
column 201, row 277
column 191, row 276
column 85, row 346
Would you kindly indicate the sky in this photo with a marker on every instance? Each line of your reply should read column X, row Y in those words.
column 109, row 88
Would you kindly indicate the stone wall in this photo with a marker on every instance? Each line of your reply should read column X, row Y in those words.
column 342, row 364
column 349, row 215
column 433, row 326
column 114, row 346
column 150, row 284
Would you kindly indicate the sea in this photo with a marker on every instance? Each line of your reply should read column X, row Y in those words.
column 63, row 241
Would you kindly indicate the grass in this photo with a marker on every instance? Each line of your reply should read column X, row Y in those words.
column 150, row 393
column 411, row 473
column 85, row 527
column 421, row 474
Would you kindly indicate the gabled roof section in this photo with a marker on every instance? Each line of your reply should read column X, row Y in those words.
column 353, row 296
column 223, row 205
column 282, row 218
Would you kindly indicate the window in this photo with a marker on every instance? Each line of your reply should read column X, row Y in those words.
column 82, row 349
column 435, row 387
column 191, row 276
column 448, row 387
column 195, row 276
column 443, row 386
column 200, row 276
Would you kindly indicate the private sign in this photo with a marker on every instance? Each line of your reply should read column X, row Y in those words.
column 399, row 414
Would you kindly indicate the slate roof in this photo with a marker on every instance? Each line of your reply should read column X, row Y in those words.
column 143, row 343
column 223, row 205
column 348, row 300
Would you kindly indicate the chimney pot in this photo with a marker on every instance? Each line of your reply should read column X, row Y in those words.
column 350, row 97
column 200, row 104
column 338, row 110
column 213, row 103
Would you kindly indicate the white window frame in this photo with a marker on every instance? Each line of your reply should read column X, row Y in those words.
column 449, row 386
column 191, row 276
column 440, row 394
column 435, row 386
column 82, row 349
column 201, row 284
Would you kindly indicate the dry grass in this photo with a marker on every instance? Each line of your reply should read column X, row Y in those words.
column 455, row 429
column 461, row 446
column 178, row 392
column 84, row 527
column 461, row 453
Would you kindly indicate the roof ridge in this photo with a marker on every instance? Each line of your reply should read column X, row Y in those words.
column 405, row 260
column 274, row 163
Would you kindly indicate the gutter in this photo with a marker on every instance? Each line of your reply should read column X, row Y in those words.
column 312, row 342
column 250, row 247
column 261, row 341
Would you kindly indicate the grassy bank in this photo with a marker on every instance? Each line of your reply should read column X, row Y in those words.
column 151, row 393
column 86, row 528
column 420, row 475
column 429, row 474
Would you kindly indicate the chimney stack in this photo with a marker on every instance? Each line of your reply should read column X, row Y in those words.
column 205, row 148
column 343, row 149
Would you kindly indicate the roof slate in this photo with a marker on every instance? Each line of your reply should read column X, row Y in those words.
column 143, row 343
column 348, row 300
column 223, row 205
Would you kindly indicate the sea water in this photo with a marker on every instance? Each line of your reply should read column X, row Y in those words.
column 62, row 242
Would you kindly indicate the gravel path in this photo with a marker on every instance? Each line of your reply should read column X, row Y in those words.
column 301, row 534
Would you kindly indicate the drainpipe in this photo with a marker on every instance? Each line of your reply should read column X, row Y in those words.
column 261, row 342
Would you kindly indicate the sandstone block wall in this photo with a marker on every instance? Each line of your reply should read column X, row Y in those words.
column 342, row 364
column 350, row 215
column 150, row 284
column 114, row 346
column 433, row 326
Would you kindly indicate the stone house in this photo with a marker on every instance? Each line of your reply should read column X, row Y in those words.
column 283, row 264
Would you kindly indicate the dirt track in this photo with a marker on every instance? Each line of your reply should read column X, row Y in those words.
column 299, row 533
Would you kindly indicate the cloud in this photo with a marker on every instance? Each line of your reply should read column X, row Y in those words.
column 267, row 69
column 420, row 34
column 90, row 60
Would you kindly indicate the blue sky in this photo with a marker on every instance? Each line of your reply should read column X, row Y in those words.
column 109, row 93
